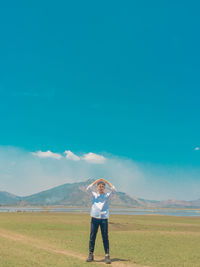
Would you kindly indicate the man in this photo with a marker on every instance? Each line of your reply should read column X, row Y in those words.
column 99, row 216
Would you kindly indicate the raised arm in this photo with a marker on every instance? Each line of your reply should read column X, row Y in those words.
column 95, row 182
column 108, row 183
column 89, row 188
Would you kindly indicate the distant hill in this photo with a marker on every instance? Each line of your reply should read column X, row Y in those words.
column 173, row 203
column 8, row 199
column 75, row 194
column 66, row 194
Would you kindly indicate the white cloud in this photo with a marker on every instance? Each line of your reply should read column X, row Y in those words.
column 71, row 155
column 94, row 158
column 47, row 154
column 88, row 157
column 197, row 148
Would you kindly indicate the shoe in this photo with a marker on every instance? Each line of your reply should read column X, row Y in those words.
column 90, row 257
column 107, row 259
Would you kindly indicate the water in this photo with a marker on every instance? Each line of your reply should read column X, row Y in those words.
column 169, row 212
column 131, row 211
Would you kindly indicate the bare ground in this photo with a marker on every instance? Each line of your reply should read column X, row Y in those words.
column 45, row 246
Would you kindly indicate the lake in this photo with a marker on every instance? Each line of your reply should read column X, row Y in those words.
column 130, row 211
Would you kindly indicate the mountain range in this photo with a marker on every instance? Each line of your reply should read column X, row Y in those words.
column 75, row 194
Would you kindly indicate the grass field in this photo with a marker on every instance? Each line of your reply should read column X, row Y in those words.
column 61, row 239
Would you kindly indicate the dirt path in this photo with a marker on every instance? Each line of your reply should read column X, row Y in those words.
column 45, row 246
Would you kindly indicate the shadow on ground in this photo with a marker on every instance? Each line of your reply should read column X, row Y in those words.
column 112, row 260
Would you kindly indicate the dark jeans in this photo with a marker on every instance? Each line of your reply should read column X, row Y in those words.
column 104, row 233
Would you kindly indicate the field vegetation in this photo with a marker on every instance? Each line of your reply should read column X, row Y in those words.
column 61, row 239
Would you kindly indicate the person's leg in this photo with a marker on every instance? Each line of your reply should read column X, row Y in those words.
column 104, row 233
column 93, row 233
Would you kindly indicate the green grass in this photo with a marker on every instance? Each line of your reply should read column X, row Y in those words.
column 147, row 239
column 15, row 254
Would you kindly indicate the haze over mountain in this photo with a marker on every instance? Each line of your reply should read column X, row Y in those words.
column 75, row 194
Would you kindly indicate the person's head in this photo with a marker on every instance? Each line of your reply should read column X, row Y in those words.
column 101, row 187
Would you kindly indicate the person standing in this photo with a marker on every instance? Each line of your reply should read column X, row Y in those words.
column 99, row 216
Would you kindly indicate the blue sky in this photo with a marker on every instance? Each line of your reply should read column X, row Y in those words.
column 110, row 77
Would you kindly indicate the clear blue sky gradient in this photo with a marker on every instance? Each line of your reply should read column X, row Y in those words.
column 108, row 76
